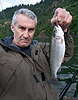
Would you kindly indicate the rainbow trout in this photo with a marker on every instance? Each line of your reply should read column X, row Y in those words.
column 57, row 50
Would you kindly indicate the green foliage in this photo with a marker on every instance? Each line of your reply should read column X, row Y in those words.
column 44, row 11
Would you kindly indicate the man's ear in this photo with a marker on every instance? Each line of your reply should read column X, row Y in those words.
column 12, row 28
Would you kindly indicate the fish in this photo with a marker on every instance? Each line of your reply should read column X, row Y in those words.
column 57, row 51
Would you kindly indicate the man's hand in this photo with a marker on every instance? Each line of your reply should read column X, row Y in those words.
column 63, row 17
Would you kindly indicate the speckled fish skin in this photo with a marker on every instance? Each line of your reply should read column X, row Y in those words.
column 57, row 50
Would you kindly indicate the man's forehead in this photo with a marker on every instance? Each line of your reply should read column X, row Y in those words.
column 24, row 19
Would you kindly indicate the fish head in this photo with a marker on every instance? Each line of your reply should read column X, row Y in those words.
column 57, row 31
column 54, row 32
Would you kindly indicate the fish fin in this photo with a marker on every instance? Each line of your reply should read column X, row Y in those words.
column 61, row 41
column 59, row 70
column 54, row 78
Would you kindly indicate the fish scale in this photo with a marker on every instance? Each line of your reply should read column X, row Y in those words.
column 57, row 50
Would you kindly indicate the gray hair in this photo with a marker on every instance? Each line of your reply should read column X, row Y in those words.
column 25, row 12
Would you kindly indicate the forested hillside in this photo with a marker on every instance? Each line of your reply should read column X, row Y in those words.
column 44, row 11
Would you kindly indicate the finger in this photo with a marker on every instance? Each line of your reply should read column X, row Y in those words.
column 69, row 19
column 65, row 19
column 53, row 21
column 61, row 16
column 67, row 16
column 61, row 12
column 57, row 10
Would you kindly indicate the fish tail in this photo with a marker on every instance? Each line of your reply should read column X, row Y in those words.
column 55, row 81
column 54, row 78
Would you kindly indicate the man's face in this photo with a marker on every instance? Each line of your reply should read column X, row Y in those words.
column 23, row 30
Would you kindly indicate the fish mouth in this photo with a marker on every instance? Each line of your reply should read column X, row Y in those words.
column 57, row 23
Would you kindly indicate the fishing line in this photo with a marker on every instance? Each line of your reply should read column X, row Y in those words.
column 5, row 19
column 71, row 5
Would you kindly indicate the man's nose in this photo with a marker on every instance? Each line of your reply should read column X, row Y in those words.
column 26, row 33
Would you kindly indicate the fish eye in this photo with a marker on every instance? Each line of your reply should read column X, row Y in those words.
column 55, row 30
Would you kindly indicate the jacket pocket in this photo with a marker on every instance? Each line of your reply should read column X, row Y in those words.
column 39, row 91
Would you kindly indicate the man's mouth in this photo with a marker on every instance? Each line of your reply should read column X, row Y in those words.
column 25, row 40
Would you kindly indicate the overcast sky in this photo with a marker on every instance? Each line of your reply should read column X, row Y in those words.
column 9, row 3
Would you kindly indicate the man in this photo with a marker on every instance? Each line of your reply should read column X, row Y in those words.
column 24, row 64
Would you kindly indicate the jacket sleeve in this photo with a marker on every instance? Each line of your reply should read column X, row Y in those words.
column 69, row 47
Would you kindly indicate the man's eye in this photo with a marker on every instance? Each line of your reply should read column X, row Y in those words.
column 23, row 28
column 31, row 29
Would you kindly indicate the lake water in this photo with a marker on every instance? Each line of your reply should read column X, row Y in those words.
column 67, row 71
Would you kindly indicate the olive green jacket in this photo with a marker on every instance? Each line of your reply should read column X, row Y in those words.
column 28, row 78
